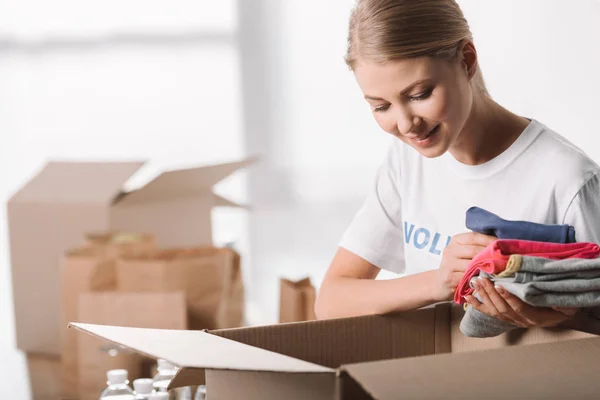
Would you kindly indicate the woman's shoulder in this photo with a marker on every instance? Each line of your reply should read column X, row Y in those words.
column 560, row 154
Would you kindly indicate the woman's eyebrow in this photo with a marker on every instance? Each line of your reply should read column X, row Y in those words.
column 412, row 85
column 403, row 92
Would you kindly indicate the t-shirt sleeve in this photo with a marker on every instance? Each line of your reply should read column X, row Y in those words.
column 375, row 233
column 584, row 212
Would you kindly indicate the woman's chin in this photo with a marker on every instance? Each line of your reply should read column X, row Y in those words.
column 434, row 151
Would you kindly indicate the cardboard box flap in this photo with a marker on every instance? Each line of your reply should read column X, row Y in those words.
column 198, row 349
column 183, row 183
column 511, row 372
column 298, row 284
column 81, row 182
column 223, row 202
column 188, row 377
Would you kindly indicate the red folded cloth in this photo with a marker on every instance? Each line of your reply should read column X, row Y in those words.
column 494, row 258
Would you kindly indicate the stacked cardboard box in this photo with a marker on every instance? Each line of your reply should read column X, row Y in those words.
column 65, row 200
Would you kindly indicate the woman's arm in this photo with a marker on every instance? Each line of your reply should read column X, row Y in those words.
column 350, row 289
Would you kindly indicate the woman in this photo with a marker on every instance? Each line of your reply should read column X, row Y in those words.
column 416, row 64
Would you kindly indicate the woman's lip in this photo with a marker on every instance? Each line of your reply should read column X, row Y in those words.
column 428, row 139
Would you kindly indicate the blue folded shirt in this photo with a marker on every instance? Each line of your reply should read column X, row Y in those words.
column 483, row 221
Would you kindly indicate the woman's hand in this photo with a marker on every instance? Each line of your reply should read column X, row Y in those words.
column 456, row 258
column 501, row 304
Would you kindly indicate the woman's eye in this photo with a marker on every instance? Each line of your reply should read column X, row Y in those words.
column 423, row 95
column 381, row 108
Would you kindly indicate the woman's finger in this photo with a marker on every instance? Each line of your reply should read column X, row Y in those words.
column 488, row 309
column 566, row 310
column 501, row 305
column 524, row 311
column 474, row 238
column 467, row 251
column 486, row 305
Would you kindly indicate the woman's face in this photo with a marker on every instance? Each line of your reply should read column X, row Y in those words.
column 423, row 101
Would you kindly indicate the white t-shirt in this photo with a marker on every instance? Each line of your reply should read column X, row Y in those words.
column 417, row 204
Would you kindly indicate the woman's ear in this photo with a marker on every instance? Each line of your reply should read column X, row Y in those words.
column 468, row 56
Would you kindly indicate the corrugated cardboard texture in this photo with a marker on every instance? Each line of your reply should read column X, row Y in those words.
column 146, row 310
column 296, row 300
column 561, row 370
column 260, row 385
column 411, row 338
column 39, row 235
column 201, row 350
column 44, row 377
column 442, row 328
column 347, row 340
column 461, row 343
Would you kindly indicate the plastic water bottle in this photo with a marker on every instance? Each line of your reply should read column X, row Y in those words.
column 166, row 372
column 142, row 388
column 200, row 393
column 118, row 388
column 159, row 396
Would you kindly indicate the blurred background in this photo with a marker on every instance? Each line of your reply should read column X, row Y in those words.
column 192, row 82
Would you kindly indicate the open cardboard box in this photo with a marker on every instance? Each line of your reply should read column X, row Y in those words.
column 66, row 200
column 426, row 357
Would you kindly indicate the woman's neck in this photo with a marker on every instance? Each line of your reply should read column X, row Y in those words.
column 490, row 130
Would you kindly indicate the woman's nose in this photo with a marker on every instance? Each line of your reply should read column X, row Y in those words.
column 407, row 123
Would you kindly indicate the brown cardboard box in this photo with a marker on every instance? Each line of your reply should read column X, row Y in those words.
column 342, row 359
column 54, row 210
column 296, row 300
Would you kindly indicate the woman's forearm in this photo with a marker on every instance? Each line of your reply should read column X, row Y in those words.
column 348, row 297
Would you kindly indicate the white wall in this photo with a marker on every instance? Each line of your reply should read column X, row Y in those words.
column 172, row 85
column 541, row 58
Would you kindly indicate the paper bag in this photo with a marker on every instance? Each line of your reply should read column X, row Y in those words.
column 159, row 310
column 89, row 269
column 110, row 246
column 44, row 376
column 296, row 301
column 232, row 310
column 210, row 278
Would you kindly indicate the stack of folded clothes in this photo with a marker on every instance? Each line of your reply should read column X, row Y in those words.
column 541, row 264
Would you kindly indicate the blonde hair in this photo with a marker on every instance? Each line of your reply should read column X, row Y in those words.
column 389, row 30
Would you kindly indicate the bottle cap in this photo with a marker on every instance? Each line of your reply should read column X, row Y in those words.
column 143, row 386
column 116, row 376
